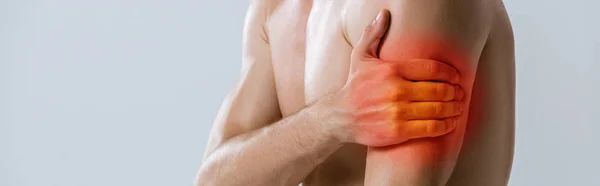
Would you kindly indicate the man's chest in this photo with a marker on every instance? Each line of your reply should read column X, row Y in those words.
column 309, row 51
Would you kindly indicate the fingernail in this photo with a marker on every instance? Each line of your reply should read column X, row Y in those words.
column 378, row 18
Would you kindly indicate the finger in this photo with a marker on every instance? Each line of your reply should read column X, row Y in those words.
column 428, row 110
column 428, row 128
column 428, row 70
column 432, row 91
column 368, row 44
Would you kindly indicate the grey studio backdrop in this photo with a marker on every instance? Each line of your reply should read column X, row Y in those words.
column 120, row 93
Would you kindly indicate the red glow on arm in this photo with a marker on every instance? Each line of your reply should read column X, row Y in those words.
column 428, row 152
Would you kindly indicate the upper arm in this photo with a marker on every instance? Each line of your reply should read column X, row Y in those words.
column 252, row 102
column 449, row 31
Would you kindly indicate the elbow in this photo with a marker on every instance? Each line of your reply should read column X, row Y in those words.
column 203, row 182
column 200, row 182
column 203, row 178
column 206, row 175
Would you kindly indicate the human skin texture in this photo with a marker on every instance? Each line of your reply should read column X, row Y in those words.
column 425, row 161
column 278, row 154
column 391, row 102
column 451, row 31
column 280, row 124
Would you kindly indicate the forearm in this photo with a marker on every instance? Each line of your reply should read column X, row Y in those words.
column 282, row 153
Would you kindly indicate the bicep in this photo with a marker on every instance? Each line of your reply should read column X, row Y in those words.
column 449, row 31
column 252, row 102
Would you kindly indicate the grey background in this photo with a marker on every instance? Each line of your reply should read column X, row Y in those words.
column 112, row 92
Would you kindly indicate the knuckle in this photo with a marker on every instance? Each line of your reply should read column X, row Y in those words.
column 367, row 30
column 391, row 113
column 398, row 67
column 431, row 126
column 441, row 89
column 398, row 91
column 396, row 111
column 437, row 109
column 405, row 111
column 387, row 70
column 400, row 128
column 396, row 126
column 436, row 127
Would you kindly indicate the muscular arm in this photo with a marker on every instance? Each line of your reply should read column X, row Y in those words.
column 282, row 153
column 452, row 31
column 248, row 146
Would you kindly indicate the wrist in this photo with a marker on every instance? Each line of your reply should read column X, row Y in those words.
column 336, row 117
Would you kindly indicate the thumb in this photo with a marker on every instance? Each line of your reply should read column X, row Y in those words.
column 368, row 45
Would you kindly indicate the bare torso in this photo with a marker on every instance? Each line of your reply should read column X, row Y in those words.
column 311, row 45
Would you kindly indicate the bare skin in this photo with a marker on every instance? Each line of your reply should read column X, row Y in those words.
column 284, row 124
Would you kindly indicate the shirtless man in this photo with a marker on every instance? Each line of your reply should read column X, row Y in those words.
column 325, row 99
